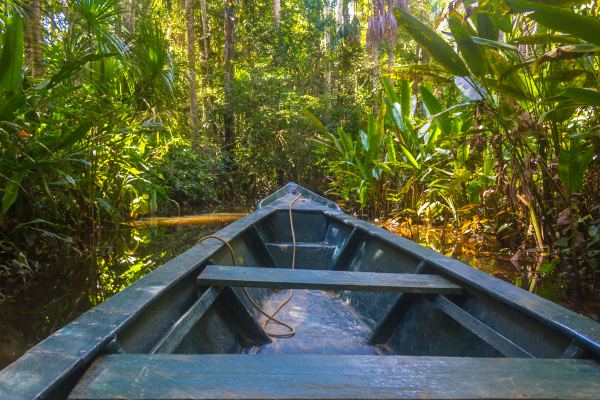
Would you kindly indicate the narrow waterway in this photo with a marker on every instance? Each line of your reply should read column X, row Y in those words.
column 36, row 306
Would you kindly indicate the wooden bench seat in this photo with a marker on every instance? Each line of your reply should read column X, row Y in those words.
column 217, row 275
column 134, row 377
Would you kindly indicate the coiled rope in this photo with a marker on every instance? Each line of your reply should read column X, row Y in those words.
column 271, row 317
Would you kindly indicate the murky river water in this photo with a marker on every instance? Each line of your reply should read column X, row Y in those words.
column 42, row 304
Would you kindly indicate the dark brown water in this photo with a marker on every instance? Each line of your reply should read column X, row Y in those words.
column 33, row 306
column 36, row 305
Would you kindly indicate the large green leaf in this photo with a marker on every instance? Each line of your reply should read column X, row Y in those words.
column 11, row 191
column 560, row 19
column 433, row 105
column 587, row 96
column 571, row 166
column 431, row 42
column 324, row 131
column 545, row 38
column 405, row 98
column 485, row 27
column 11, row 61
column 410, row 157
column 77, row 135
column 375, row 136
column 469, row 50
column 389, row 90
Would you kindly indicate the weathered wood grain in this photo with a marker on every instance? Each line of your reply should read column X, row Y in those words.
column 172, row 339
column 218, row 275
column 335, row 377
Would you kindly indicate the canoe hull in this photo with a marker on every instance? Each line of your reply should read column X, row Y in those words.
column 489, row 320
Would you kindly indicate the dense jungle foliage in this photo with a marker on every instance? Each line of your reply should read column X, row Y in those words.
column 477, row 117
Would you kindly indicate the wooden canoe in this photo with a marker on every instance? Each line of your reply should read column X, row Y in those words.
column 376, row 317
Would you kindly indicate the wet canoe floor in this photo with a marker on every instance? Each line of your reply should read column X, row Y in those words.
column 324, row 324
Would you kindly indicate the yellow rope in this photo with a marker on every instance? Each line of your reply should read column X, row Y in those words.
column 272, row 316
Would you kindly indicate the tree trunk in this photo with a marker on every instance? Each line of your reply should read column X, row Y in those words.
column 205, row 31
column 375, row 81
column 339, row 21
column 327, row 44
column 277, row 11
column 131, row 16
column 37, row 54
column 228, row 49
column 191, row 48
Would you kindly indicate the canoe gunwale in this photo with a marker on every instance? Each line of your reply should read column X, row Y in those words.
column 121, row 310
column 554, row 316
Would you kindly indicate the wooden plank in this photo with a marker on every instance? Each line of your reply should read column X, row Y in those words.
column 384, row 329
column 172, row 339
column 211, row 377
column 217, row 275
column 487, row 334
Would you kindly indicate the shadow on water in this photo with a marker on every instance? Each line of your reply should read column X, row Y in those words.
column 35, row 307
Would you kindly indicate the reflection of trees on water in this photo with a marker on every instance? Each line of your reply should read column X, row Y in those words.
column 39, row 304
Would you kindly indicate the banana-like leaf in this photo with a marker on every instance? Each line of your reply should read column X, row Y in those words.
column 347, row 144
column 389, row 90
column 583, row 95
column 405, row 98
column 433, row 105
column 375, row 136
column 391, row 149
column 513, row 68
column 509, row 49
column 560, row 19
column 545, row 38
column 513, row 81
column 431, row 42
column 498, row 14
column 474, row 57
column 11, row 61
column 410, row 157
column 485, row 27
column 564, row 53
column 572, row 163
column 394, row 115
column 324, row 131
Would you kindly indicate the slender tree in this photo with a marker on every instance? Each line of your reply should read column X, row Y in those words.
column 327, row 12
column 37, row 55
column 228, row 50
column 191, row 47
column 277, row 11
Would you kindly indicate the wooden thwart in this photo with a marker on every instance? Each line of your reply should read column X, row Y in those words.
column 217, row 275
column 135, row 376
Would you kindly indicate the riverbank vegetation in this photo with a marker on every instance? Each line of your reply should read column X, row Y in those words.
column 477, row 119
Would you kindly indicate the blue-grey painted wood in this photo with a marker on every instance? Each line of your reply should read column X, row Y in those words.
column 396, row 310
column 493, row 338
column 218, row 275
column 211, row 377
column 172, row 339
column 558, row 318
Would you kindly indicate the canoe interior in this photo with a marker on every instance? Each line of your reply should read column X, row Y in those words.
column 337, row 322
column 435, row 324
